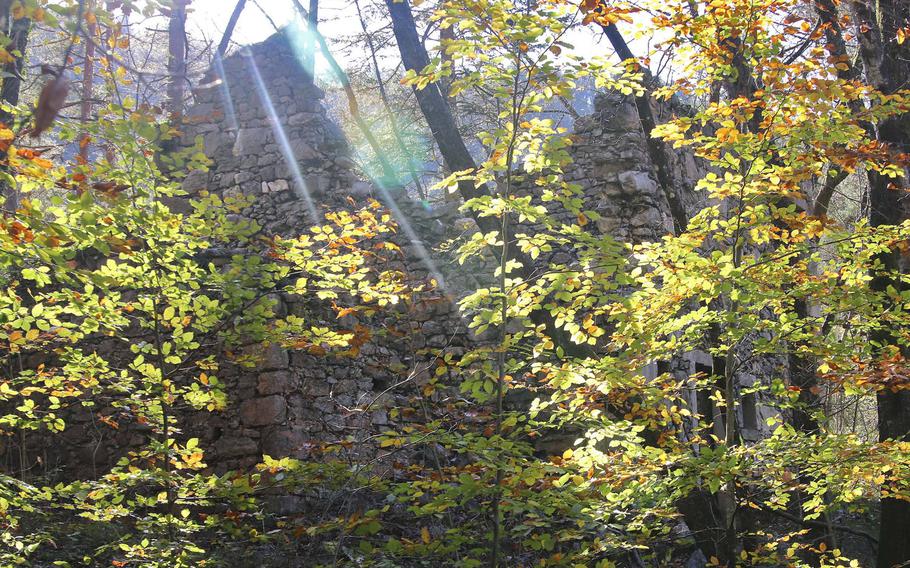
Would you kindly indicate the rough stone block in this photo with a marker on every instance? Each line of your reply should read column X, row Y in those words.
column 637, row 183
column 233, row 447
column 196, row 180
column 263, row 411
column 317, row 388
column 274, row 357
column 275, row 382
column 283, row 443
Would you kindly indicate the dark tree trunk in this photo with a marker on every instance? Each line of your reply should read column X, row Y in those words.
column 18, row 31
column 88, row 88
column 887, row 65
column 435, row 109
column 229, row 30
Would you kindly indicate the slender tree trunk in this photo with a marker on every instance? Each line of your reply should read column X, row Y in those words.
column 177, row 78
column 176, row 63
column 88, row 86
column 712, row 519
column 229, row 30
column 18, row 32
column 309, row 52
column 887, row 65
column 698, row 508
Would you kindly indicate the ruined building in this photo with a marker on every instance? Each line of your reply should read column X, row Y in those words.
column 267, row 133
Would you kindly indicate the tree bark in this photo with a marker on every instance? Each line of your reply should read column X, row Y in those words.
column 887, row 65
column 309, row 52
column 229, row 30
column 176, row 63
column 88, row 86
column 18, row 32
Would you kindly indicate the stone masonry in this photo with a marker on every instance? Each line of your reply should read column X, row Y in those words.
column 264, row 128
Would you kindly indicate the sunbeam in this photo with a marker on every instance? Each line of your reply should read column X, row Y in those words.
column 408, row 229
column 300, row 185
column 225, row 89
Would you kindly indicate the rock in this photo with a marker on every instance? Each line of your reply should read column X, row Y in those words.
column 650, row 217
column 303, row 151
column 250, row 141
column 283, row 443
column 263, row 411
column 317, row 184
column 636, row 182
column 361, row 189
column 231, row 447
column 196, row 180
column 697, row 560
column 274, row 357
column 279, row 185
column 274, row 382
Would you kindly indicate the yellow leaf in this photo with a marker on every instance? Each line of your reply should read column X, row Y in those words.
column 32, row 334
column 425, row 535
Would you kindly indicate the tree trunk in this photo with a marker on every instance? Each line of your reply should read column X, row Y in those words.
column 18, row 32
column 229, row 30
column 309, row 52
column 887, row 65
column 176, row 63
column 88, row 86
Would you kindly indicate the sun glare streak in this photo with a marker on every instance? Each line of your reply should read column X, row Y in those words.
column 300, row 38
column 409, row 231
column 226, row 94
column 300, row 185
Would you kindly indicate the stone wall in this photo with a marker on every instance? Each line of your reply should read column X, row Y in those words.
column 267, row 133
column 264, row 127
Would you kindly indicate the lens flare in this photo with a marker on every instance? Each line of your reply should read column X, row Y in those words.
column 300, row 185
column 389, row 200
column 230, row 111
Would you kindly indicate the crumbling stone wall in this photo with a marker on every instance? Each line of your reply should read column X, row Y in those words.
column 268, row 136
column 255, row 135
column 264, row 128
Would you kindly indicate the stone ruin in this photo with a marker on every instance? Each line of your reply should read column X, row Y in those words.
column 268, row 135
